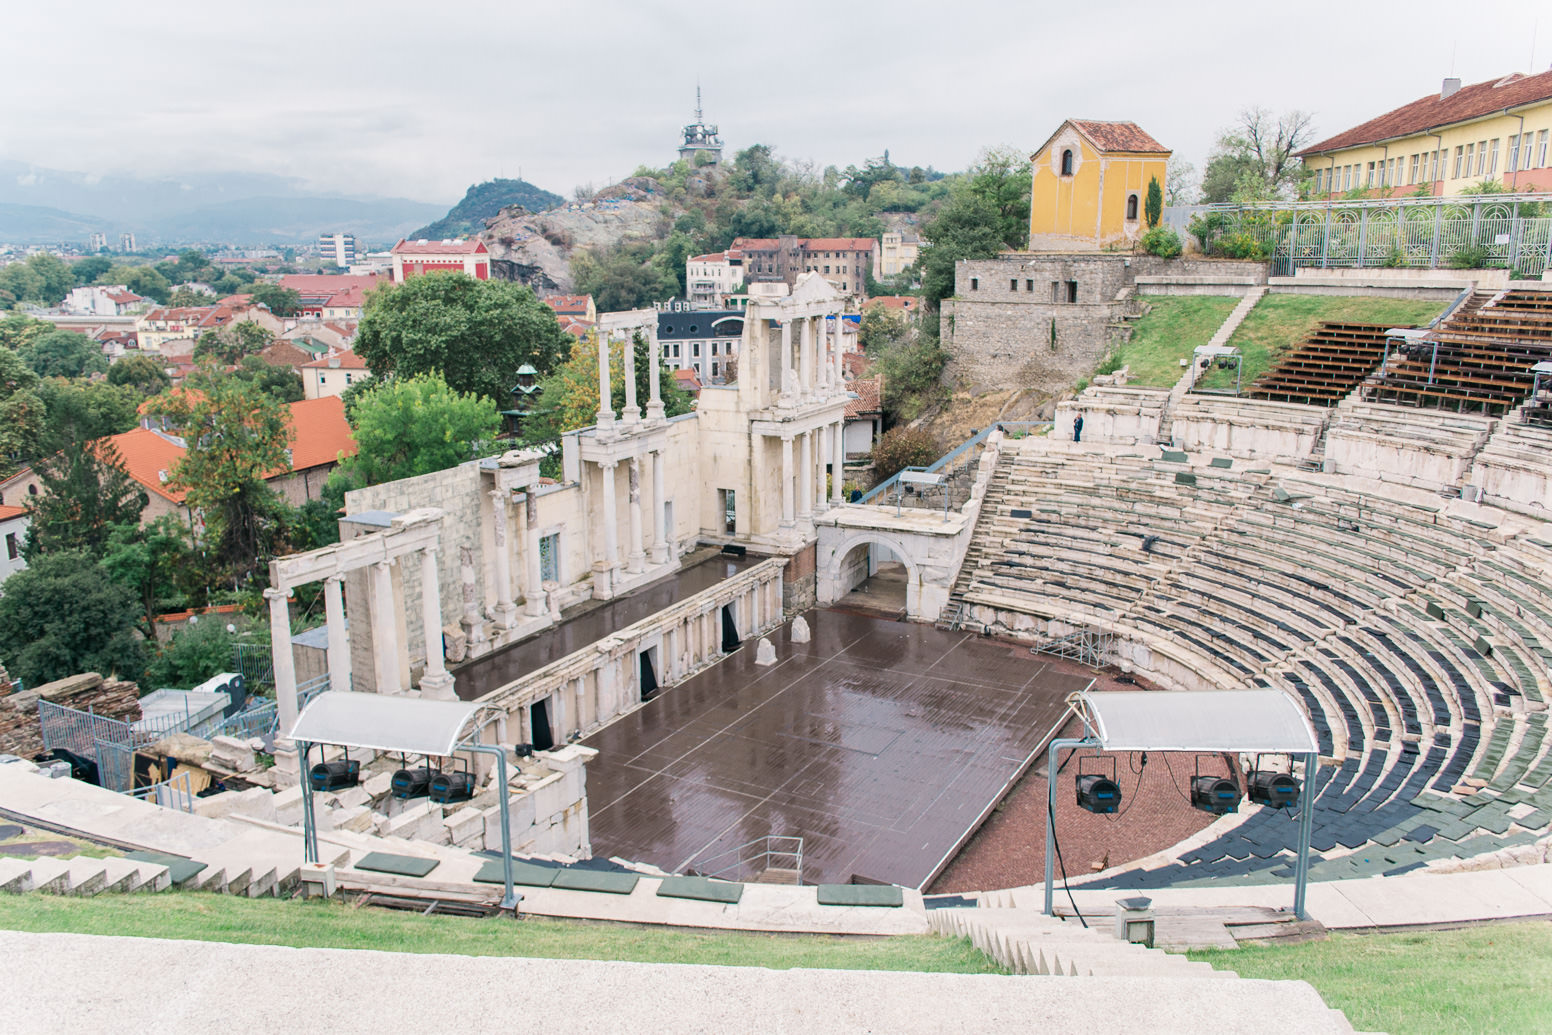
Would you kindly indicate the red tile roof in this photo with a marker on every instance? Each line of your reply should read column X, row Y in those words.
column 687, row 380
column 838, row 244
column 1432, row 111
column 1119, row 136
column 9, row 512
column 869, row 390
column 907, row 303
column 756, row 244
column 319, row 432
column 571, row 305
column 471, row 246
column 149, row 457
column 339, row 361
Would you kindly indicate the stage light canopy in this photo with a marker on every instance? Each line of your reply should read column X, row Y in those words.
column 335, row 776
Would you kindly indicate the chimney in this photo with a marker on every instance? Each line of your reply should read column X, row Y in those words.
column 1450, row 87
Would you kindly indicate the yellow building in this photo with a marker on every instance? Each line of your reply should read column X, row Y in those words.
column 1495, row 130
column 1089, row 184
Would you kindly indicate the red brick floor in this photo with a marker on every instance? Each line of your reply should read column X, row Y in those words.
column 1009, row 849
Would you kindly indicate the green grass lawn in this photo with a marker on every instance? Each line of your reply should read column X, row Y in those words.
column 1280, row 321
column 1492, row 978
column 333, row 925
column 1174, row 326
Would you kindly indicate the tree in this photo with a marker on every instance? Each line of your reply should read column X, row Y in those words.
column 60, row 616
column 901, row 448
column 569, row 399
column 629, row 275
column 21, row 411
column 986, row 213
column 1181, row 186
column 281, row 301
column 415, row 426
column 142, row 373
column 142, row 280
column 64, row 354
column 1153, row 207
column 236, row 435
column 196, row 652
column 155, row 562
column 474, row 333
column 881, row 328
column 84, row 493
column 281, row 383
column 1258, row 149
column 44, row 279
column 183, row 296
column 231, row 343
column 17, row 330
column 82, row 411
column 87, row 270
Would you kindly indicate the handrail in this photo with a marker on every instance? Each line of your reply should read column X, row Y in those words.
column 713, row 866
column 952, row 454
column 1460, row 300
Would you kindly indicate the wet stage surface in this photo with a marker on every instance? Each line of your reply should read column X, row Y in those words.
column 879, row 743
column 487, row 673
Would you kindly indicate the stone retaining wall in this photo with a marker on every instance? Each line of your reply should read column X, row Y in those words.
column 19, row 732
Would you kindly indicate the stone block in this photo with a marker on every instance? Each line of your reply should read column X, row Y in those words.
column 379, row 785
column 765, row 653
column 232, row 753
column 464, row 826
column 423, row 822
column 356, row 818
column 350, row 797
column 549, row 798
column 288, row 806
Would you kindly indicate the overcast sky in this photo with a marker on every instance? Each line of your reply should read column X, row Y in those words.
column 420, row 99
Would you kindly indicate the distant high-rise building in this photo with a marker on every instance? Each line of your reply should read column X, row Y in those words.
column 99, row 241
column 127, row 242
column 701, row 139
column 340, row 249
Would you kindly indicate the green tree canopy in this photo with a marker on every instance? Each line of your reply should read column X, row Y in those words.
column 81, row 411
column 987, row 212
column 1254, row 157
column 415, row 426
column 282, row 301
column 87, row 270
column 142, row 373
column 474, row 333
column 21, row 412
column 1153, row 208
column 64, row 354
column 156, row 563
column 60, row 616
column 84, row 493
column 231, row 343
column 142, row 280
column 17, row 330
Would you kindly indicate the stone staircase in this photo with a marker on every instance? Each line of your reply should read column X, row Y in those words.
column 996, row 487
column 1221, row 336
column 82, row 875
column 1027, row 941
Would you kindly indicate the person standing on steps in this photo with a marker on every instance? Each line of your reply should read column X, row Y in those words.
column 1077, row 429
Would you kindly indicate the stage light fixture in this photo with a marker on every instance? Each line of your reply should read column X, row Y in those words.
column 1215, row 794
column 412, row 783
column 1098, row 793
column 1274, row 790
column 447, row 788
column 336, row 775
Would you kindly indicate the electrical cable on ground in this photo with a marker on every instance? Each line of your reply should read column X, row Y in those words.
column 1051, row 816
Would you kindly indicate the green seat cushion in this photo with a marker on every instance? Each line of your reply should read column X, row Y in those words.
column 526, row 874
column 596, row 880
column 1184, row 478
column 179, row 868
column 702, row 889
column 1221, row 461
column 860, row 895
column 405, row 865
column 1174, row 456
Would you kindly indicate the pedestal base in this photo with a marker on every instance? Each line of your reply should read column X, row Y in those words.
column 438, row 688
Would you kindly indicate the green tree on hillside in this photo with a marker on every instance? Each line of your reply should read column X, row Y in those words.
column 156, row 562
column 60, row 616
column 84, row 494
column 77, row 410
column 142, row 373
column 281, row 301
column 64, row 354
column 87, row 270
column 474, row 333
column 231, row 343
column 43, row 279
column 412, row 426
column 987, row 213
column 21, row 412
column 17, row 330
column 142, row 280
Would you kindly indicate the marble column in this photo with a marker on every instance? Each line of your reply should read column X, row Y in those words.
column 472, row 621
column 385, row 629
column 506, row 610
column 632, row 412
column 655, row 400
column 605, row 393
column 821, row 449
column 786, row 482
column 339, row 637
column 786, row 362
column 436, row 681
column 806, row 482
column 284, row 662
column 806, row 358
column 839, row 354
column 838, row 459
column 533, row 590
column 661, row 533
column 635, row 559
column 610, row 517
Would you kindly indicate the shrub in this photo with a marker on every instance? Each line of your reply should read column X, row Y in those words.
column 1153, row 208
column 1470, row 257
column 1161, row 241
column 1243, row 246
column 197, row 652
column 903, row 447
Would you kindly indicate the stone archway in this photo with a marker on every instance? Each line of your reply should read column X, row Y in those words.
column 829, row 588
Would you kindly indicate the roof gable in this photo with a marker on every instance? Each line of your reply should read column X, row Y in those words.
column 1110, row 137
column 1430, row 112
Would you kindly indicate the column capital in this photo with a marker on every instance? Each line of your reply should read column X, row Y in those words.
column 273, row 594
column 337, row 578
column 608, row 465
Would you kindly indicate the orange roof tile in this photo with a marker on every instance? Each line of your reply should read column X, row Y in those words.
column 149, row 457
column 319, row 432
column 346, row 360
column 869, row 391
column 1119, row 136
column 1433, row 111
column 9, row 512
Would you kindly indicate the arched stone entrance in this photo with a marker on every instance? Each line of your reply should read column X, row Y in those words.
column 834, row 584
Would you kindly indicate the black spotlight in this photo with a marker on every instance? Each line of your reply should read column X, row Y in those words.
column 447, row 788
column 1098, row 793
column 1215, row 794
column 337, row 775
column 1274, row 790
column 412, row 783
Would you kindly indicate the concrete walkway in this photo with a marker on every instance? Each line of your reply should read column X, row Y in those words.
column 87, row 983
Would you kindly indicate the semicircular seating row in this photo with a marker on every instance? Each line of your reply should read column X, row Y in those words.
column 1419, row 643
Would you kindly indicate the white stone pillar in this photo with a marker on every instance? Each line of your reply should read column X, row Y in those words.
column 473, row 622
column 821, row 449
column 635, row 559
column 339, row 637
column 610, row 518
column 806, row 482
column 806, row 358
column 506, row 611
column 605, row 393
column 655, row 400
column 661, row 533
column 786, row 482
column 435, row 682
column 632, row 412
column 786, row 361
column 385, row 629
column 838, row 460
column 283, row 661
column 533, row 591
column 839, row 355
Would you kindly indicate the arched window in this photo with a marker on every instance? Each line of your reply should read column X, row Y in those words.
column 1131, row 206
column 1067, row 162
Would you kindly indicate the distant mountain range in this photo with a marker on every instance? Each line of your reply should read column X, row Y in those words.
column 39, row 205
column 483, row 201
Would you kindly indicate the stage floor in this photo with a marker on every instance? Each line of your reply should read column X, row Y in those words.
column 879, row 743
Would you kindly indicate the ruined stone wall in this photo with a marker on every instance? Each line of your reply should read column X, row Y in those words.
column 798, row 583
column 998, row 326
column 19, row 732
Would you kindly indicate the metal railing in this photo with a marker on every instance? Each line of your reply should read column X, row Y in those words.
column 753, row 858
column 172, row 793
column 954, row 454
column 1086, row 646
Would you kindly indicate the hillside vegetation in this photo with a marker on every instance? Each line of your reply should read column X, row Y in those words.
column 483, row 201
column 1173, row 327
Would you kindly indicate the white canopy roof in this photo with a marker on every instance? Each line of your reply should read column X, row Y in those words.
column 398, row 724
column 1216, row 350
column 1198, row 720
